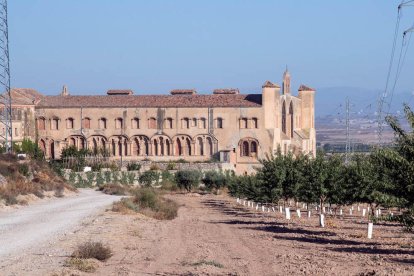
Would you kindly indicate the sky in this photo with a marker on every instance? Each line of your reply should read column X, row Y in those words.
column 155, row 46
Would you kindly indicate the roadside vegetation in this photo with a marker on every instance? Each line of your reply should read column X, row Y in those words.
column 29, row 176
column 384, row 178
column 149, row 202
column 82, row 258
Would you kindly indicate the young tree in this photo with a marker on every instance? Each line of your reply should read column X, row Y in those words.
column 397, row 166
column 316, row 173
column 271, row 176
column 187, row 179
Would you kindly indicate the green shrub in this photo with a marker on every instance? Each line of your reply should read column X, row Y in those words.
column 149, row 178
column 72, row 177
column 108, row 176
column 100, row 180
column 90, row 176
column 124, row 178
column 115, row 176
column 187, row 179
column 171, row 166
column 131, row 178
column 24, row 169
column 214, row 180
column 133, row 166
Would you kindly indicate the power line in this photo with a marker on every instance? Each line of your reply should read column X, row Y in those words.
column 5, row 98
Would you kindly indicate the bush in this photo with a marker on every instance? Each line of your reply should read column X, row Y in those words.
column 168, row 185
column 149, row 178
column 114, row 189
column 171, row 166
column 149, row 202
column 154, row 167
column 93, row 250
column 187, row 179
column 133, row 167
column 214, row 180
column 24, row 169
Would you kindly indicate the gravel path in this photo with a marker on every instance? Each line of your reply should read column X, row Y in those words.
column 32, row 226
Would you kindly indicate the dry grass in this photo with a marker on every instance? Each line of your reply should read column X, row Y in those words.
column 28, row 177
column 114, row 189
column 80, row 264
column 148, row 202
column 93, row 250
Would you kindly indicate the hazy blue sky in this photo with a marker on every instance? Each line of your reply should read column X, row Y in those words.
column 154, row 46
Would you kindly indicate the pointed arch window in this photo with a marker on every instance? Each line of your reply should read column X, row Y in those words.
column 284, row 117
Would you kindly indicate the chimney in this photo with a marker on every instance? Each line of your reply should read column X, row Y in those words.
column 183, row 92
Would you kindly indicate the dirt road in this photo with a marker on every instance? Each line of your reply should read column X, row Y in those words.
column 214, row 236
column 28, row 228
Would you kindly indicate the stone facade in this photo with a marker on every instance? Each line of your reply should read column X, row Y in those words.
column 228, row 126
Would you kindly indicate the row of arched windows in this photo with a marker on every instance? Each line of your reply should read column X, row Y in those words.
column 159, row 145
column 135, row 123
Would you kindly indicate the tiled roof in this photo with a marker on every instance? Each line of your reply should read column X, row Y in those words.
column 226, row 91
column 120, row 92
column 235, row 100
column 25, row 96
column 305, row 88
column 270, row 84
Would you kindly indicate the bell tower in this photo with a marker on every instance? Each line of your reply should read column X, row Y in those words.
column 286, row 82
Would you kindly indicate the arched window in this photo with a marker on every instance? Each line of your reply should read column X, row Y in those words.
column 255, row 123
column 94, row 146
column 82, row 143
column 284, row 117
column 243, row 123
column 42, row 145
column 135, row 123
column 86, row 123
column 188, row 146
column 72, row 142
column 168, row 146
column 203, row 123
column 136, row 147
column 244, row 151
column 178, row 148
column 168, row 123
column 219, row 122
column 70, row 123
column 253, row 148
column 54, row 123
column 152, row 123
column 119, row 123
column 200, row 146
column 209, row 146
column 102, row 123
column 113, row 147
column 186, row 123
column 41, row 123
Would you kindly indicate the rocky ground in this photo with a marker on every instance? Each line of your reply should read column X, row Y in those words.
column 212, row 235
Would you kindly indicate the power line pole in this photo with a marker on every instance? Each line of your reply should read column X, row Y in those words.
column 5, row 97
column 348, row 136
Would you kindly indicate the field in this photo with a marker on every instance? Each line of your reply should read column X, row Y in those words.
column 213, row 235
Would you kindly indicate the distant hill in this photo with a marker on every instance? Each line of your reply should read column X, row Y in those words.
column 331, row 100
